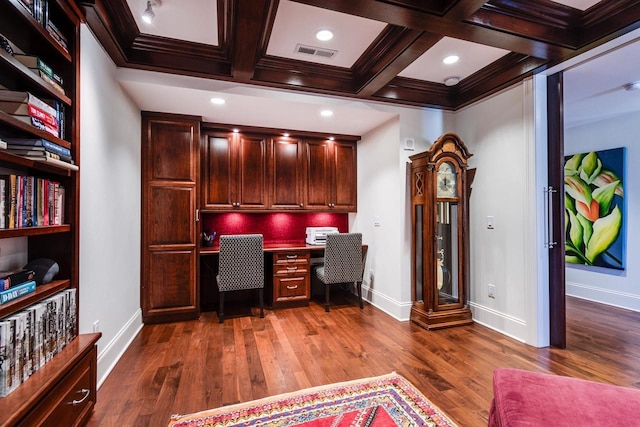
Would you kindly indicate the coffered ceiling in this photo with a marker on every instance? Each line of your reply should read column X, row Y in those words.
column 382, row 50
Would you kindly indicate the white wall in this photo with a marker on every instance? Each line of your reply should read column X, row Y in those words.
column 109, row 206
column 499, row 132
column 383, row 198
column 613, row 287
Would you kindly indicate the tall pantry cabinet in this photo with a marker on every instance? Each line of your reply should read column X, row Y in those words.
column 62, row 390
column 170, row 167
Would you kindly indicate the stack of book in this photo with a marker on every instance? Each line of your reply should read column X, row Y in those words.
column 38, row 8
column 30, row 109
column 42, row 70
column 31, row 337
column 28, row 201
column 42, row 150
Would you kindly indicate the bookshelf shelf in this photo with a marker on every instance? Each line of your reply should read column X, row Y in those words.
column 40, row 293
column 33, row 231
column 28, row 78
column 13, row 160
column 8, row 119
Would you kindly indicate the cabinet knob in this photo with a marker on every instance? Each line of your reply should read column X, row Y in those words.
column 301, row 205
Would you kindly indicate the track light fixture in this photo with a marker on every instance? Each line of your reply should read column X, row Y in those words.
column 148, row 15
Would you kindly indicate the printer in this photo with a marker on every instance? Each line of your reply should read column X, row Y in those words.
column 318, row 235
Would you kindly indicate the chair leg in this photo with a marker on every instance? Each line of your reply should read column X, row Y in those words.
column 326, row 297
column 221, row 308
column 359, row 286
column 261, row 298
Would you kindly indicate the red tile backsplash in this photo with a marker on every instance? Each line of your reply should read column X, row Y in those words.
column 278, row 227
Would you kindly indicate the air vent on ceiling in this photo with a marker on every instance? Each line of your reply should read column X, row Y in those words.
column 315, row 51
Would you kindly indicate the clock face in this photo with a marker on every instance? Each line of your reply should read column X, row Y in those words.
column 446, row 181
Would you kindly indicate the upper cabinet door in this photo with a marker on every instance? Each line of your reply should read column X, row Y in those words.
column 220, row 171
column 331, row 176
column 286, row 174
column 252, row 172
column 344, row 183
column 317, row 169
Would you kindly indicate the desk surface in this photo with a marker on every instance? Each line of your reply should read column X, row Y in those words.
column 270, row 247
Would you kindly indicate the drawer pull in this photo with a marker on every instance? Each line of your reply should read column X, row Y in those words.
column 292, row 268
column 86, row 393
column 292, row 256
column 292, row 287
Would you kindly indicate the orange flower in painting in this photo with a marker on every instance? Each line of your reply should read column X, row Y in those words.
column 591, row 212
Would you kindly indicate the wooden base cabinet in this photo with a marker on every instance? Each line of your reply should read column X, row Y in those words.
column 61, row 393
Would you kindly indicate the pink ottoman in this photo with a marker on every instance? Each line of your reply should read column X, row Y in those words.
column 523, row 398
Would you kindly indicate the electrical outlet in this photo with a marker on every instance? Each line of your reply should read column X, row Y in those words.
column 96, row 326
column 492, row 291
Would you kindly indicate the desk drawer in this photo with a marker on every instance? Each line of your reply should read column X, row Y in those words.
column 292, row 268
column 293, row 257
column 291, row 287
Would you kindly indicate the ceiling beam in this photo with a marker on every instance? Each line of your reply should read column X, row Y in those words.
column 462, row 9
column 251, row 20
column 418, row 20
column 391, row 53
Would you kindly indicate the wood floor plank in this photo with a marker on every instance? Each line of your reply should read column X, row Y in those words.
column 185, row 367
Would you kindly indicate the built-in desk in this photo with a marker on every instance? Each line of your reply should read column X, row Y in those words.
column 287, row 272
column 287, row 269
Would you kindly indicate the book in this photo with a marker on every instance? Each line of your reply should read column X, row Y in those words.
column 17, row 291
column 48, row 79
column 30, row 143
column 4, row 185
column 13, row 200
column 56, row 162
column 36, row 64
column 6, row 354
column 13, row 278
column 43, row 115
column 39, row 154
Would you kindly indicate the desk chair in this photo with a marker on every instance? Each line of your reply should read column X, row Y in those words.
column 342, row 263
column 241, row 266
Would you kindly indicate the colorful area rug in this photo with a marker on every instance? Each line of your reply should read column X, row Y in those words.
column 385, row 401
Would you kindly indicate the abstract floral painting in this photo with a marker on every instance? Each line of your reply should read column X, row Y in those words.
column 594, row 208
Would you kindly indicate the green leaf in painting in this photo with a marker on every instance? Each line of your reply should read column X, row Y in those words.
column 573, row 164
column 578, row 189
column 604, row 196
column 591, row 166
column 587, row 228
column 606, row 177
column 605, row 232
column 568, row 202
column 572, row 259
column 575, row 230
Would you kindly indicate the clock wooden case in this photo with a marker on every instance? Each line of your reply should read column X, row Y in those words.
column 440, row 221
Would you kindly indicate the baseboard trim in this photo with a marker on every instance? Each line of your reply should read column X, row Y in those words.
column 111, row 353
column 398, row 310
column 510, row 326
column 604, row 296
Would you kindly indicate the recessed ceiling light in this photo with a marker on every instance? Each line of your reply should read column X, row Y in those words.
column 324, row 35
column 285, row 135
column 451, row 81
column 331, row 138
column 451, row 59
column 236, row 130
column 218, row 101
column 326, row 113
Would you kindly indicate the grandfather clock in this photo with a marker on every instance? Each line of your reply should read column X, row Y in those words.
column 439, row 247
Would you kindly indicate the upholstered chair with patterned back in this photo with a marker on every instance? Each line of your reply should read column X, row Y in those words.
column 342, row 263
column 241, row 266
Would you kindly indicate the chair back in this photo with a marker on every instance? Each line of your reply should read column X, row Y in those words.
column 241, row 262
column 343, row 258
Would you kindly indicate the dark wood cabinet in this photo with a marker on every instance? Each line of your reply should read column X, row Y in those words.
column 286, row 163
column 291, row 279
column 170, row 168
column 234, row 175
column 330, row 175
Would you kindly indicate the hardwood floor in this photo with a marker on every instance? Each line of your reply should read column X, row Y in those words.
column 192, row 366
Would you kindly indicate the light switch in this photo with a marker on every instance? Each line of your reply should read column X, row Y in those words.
column 376, row 221
column 490, row 222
